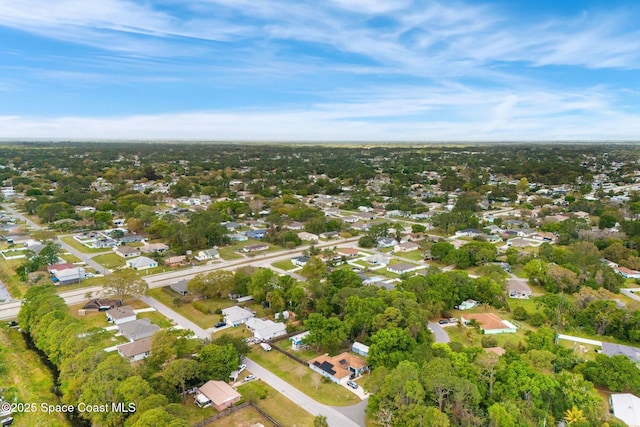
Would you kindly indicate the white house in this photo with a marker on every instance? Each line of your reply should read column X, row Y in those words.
column 266, row 329
column 119, row 315
column 310, row 237
column 406, row 247
column 518, row 288
column 403, row 268
column 361, row 349
column 127, row 251
column 626, row 407
column 141, row 263
column 136, row 350
column 208, row 254
column 236, row 315
column 68, row 276
column 297, row 340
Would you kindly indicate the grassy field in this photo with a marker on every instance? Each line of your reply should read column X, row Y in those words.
column 416, row 255
column 156, row 318
column 276, row 405
column 228, row 252
column 28, row 380
column 285, row 265
column 110, row 261
column 166, row 297
column 69, row 240
column 287, row 369
column 246, row 417
column 10, row 279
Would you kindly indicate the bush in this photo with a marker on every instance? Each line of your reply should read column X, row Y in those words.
column 177, row 302
column 537, row 319
column 489, row 341
column 520, row 313
column 366, row 242
column 201, row 306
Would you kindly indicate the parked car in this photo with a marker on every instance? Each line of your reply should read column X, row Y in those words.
column 249, row 378
column 352, row 384
column 443, row 321
column 242, row 368
column 221, row 324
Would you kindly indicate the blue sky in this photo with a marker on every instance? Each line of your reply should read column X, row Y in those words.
column 331, row 70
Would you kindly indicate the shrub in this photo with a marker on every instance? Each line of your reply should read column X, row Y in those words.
column 520, row 313
column 201, row 306
column 488, row 341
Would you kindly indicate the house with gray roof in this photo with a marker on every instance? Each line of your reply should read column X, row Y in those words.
column 138, row 329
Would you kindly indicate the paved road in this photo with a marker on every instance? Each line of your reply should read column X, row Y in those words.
column 439, row 333
column 631, row 293
column 179, row 319
column 5, row 296
column 335, row 418
column 355, row 412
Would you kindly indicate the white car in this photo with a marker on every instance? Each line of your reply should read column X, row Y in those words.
column 249, row 378
column 242, row 368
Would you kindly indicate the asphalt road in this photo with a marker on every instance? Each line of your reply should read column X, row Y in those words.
column 334, row 418
column 439, row 333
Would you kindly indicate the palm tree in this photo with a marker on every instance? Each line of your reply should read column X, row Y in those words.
column 574, row 416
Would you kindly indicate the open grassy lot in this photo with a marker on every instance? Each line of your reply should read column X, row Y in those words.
column 156, row 318
column 92, row 319
column 110, row 260
column 276, row 405
column 246, row 417
column 229, row 252
column 287, row 369
column 166, row 296
column 8, row 276
column 285, row 265
column 26, row 379
column 416, row 255
column 69, row 240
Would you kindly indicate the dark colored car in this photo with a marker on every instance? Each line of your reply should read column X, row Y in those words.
column 443, row 321
column 221, row 324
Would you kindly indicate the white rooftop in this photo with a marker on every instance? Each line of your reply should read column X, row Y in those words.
column 626, row 407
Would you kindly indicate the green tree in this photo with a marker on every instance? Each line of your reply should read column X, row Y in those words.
column 124, row 285
column 389, row 347
column 179, row 372
column 320, row 421
column 217, row 361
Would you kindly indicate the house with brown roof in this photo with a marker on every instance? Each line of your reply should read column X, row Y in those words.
column 218, row 394
column 101, row 304
column 406, row 247
column 348, row 252
column 120, row 315
column 136, row 350
column 127, row 251
column 490, row 323
column 175, row 261
column 340, row 368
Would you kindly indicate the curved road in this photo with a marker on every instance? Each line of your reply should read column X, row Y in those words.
column 439, row 333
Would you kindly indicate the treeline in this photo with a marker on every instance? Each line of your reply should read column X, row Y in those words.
column 92, row 376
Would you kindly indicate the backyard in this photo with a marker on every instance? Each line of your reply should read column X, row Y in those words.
column 300, row 376
column 275, row 404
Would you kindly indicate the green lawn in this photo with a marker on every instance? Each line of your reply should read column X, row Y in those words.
column 285, row 265
column 244, row 417
column 27, row 380
column 166, row 297
column 110, row 261
column 228, row 253
column 416, row 255
column 287, row 369
column 156, row 318
column 10, row 279
column 69, row 240
column 275, row 404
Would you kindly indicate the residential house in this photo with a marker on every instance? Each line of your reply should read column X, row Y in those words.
column 406, row 247
column 141, row 263
column 132, row 238
column 340, row 368
column 175, row 261
column 256, row 234
column 378, row 259
column 136, row 350
column 101, row 304
column 255, row 248
column 122, row 314
column 154, row 247
column 68, row 275
column 231, row 226
column 127, row 251
column 626, row 407
column 208, row 254
column 310, row 237
column 238, row 237
column 59, row 267
column 402, row 268
column 386, row 242
column 494, row 238
column 266, row 329
column 297, row 341
column 328, row 235
column 137, row 329
column 218, row 394
column 467, row 304
column 348, row 252
column 294, row 225
column 300, row 261
column 236, row 315
column 361, row 349
column 180, row 287
column 627, row 273
column 490, row 324
column 360, row 226
column 518, row 288
column 468, row 232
